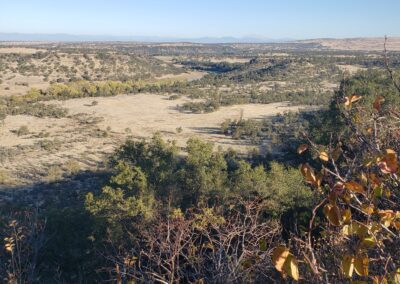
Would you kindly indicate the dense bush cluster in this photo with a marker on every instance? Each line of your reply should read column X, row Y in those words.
column 151, row 182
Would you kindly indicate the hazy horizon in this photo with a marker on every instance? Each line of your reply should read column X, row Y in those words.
column 263, row 20
column 4, row 36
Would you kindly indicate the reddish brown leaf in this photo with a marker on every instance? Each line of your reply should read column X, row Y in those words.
column 377, row 102
column 388, row 163
column 353, row 186
column 302, row 148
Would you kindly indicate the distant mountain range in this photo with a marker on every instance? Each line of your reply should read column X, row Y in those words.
column 78, row 38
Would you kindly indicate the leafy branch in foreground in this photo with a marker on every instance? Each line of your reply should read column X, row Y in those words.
column 358, row 181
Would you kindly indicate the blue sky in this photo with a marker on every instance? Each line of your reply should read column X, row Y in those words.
column 296, row 19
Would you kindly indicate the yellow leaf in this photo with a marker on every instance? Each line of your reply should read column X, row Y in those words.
column 355, row 229
column 379, row 280
column 130, row 261
column 363, row 178
column 302, row 148
column 367, row 242
column 318, row 180
column 308, row 174
column 351, row 99
column 361, row 265
column 324, row 156
column 291, row 267
column 387, row 216
column 378, row 191
column 395, row 276
column 355, row 98
column 347, row 230
column 375, row 227
column 346, row 215
column 367, row 208
column 279, row 256
column 9, row 247
column 348, row 265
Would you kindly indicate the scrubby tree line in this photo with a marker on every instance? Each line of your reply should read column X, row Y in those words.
column 149, row 186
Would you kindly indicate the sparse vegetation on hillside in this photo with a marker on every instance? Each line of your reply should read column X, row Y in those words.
column 87, row 199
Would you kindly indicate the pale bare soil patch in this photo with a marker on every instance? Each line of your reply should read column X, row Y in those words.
column 188, row 75
column 165, row 58
column 91, row 132
column 20, row 84
column 329, row 85
column 368, row 44
column 226, row 59
column 20, row 50
column 229, row 59
column 350, row 68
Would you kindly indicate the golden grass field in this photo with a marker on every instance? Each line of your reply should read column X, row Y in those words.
column 79, row 137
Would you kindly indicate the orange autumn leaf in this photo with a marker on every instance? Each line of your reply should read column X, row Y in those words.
column 387, row 216
column 374, row 180
column 354, row 186
column 388, row 163
column 351, row 99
